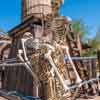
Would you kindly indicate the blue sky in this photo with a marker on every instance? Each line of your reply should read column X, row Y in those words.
column 87, row 10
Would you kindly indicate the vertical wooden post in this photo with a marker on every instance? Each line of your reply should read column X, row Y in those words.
column 93, row 68
column 98, row 55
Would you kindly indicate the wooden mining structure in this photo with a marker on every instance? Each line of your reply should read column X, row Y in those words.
column 42, row 19
column 36, row 17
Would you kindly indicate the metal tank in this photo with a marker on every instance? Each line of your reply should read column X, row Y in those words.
column 38, row 8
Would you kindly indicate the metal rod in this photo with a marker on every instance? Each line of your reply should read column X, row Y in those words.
column 73, row 66
column 80, row 58
column 24, row 51
column 66, row 58
column 84, row 82
column 8, row 60
column 11, row 65
column 28, row 68
column 48, row 56
column 5, row 41
column 79, row 80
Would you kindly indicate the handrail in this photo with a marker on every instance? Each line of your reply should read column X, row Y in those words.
column 66, row 58
column 80, row 58
column 12, row 64
column 83, row 83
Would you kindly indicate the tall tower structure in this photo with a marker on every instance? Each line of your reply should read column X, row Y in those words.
column 33, row 21
column 55, row 6
column 36, row 8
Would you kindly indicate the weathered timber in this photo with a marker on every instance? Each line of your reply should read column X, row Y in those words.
column 98, row 55
column 36, row 8
column 74, row 51
column 18, row 78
